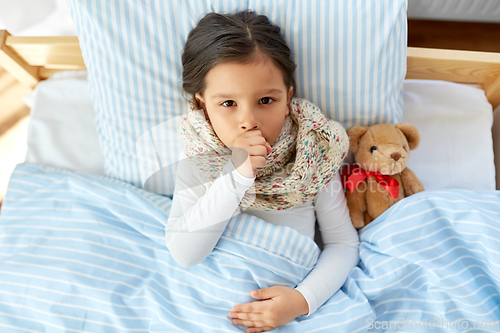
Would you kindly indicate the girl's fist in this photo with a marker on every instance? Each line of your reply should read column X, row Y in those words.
column 249, row 152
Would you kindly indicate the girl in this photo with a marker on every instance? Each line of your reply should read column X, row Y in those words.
column 278, row 156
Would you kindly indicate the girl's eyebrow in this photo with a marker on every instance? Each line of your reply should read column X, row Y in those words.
column 268, row 91
column 271, row 91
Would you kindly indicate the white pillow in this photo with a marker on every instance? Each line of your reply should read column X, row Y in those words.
column 454, row 121
column 62, row 131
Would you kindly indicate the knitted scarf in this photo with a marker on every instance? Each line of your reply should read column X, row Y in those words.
column 305, row 157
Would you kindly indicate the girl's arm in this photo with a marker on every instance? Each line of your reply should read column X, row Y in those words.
column 199, row 214
column 340, row 253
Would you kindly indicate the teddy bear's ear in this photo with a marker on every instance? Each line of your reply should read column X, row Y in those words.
column 355, row 133
column 411, row 134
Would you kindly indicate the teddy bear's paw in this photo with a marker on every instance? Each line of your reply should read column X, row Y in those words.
column 358, row 223
column 360, row 220
column 417, row 188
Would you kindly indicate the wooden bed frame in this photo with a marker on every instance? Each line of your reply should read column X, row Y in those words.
column 32, row 59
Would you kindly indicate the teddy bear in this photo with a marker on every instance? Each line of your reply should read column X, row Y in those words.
column 379, row 177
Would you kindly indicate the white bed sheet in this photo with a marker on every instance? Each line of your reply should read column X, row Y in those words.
column 454, row 121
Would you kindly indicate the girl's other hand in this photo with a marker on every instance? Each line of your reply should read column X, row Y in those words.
column 249, row 152
column 280, row 306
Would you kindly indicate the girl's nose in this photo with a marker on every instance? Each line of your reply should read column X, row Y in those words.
column 249, row 120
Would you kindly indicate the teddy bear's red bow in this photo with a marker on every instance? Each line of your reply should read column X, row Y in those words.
column 353, row 175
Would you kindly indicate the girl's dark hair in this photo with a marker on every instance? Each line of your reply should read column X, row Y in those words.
column 220, row 38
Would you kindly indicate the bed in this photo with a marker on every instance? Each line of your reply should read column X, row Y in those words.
column 82, row 248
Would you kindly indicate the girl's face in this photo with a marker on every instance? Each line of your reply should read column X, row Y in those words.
column 241, row 97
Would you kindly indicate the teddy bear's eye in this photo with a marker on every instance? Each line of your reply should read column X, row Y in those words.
column 373, row 149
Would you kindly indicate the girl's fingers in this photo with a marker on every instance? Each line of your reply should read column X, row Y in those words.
column 258, row 329
column 254, row 316
column 257, row 151
column 256, row 140
column 258, row 161
column 268, row 148
column 254, row 329
column 249, row 323
column 252, row 307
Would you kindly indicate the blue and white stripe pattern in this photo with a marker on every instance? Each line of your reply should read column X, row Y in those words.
column 81, row 253
column 434, row 257
column 350, row 56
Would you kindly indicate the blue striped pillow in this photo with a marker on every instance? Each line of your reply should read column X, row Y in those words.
column 350, row 56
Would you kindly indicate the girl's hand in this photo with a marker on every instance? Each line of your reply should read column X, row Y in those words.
column 281, row 305
column 252, row 152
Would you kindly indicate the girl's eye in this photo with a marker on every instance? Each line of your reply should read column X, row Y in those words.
column 228, row 103
column 266, row 100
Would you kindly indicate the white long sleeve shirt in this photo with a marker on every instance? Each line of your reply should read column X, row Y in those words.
column 199, row 214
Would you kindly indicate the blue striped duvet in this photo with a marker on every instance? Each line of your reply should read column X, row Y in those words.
column 82, row 253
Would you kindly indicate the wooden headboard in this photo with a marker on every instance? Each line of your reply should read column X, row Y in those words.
column 31, row 59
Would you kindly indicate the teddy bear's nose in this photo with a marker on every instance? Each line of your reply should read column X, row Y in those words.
column 396, row 156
